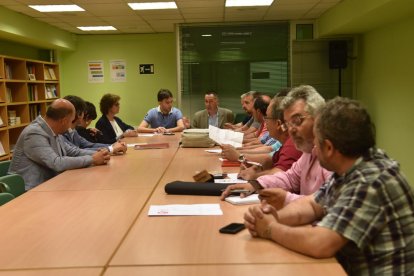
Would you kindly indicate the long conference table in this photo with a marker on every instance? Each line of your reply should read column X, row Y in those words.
column 94, row 221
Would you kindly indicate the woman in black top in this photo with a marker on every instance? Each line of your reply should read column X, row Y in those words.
column 112, row 127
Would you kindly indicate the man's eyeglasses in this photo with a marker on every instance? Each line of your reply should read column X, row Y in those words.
column 296, row 121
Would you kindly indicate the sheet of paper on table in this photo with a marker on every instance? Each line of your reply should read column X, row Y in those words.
column 185, row 210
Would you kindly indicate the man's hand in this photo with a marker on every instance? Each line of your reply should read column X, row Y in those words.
column 244, row 186
column 101, row 157
column 273, row 196
column 249, row 173
column 161, row 130
column 119, row 147
column 130, row 133
column 229, row 152
column 259, row 220
column 229, row 126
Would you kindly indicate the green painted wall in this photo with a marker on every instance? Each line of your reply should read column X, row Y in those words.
column 138, row 93
column 385, row 83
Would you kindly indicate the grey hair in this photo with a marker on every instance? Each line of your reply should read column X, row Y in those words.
column 314, row 101
column 254, row 94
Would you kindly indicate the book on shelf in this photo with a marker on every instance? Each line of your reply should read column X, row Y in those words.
column 52, row 73
column 1, row 122
column 33, row 94
column 50, row 92
column 2, row 151
column 31, row 72
column 34, row 111
column 9, row 97
column 8, row 71
column 47, row 74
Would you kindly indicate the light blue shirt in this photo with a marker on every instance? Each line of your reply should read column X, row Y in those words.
column 155, row 118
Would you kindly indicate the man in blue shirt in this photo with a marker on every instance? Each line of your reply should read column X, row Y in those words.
column 164, row 118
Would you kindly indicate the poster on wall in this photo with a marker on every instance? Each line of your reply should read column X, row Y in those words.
column 95, row 71
column 118, row 70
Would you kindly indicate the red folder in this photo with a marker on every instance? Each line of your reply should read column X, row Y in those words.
column 227, row 163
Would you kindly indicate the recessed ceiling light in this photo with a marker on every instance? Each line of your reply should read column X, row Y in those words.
column 56, row 8
column 153, row 6
column 248, row 3
column 97, row 28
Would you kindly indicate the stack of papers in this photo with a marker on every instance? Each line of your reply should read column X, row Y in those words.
column 225, row 136
column 237, row 200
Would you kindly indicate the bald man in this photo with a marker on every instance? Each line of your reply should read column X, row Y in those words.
column 41, row 153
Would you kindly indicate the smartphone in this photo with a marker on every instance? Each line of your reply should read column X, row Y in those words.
column 169, row 133
column 232, row 228
column 256, row 185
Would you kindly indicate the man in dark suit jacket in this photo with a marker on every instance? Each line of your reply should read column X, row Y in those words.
column 212, row 115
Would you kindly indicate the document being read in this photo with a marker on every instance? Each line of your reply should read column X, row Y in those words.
column 185, row 210
column 226, row 136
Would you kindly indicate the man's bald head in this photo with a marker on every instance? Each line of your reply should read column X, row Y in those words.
column 60, row 109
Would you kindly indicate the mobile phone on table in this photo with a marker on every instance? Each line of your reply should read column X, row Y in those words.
column 256, row 185
column 232, row 228
column 169, row 133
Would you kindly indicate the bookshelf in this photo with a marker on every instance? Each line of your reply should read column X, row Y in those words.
column 27, row 87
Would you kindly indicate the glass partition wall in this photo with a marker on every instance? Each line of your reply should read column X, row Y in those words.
column 231, row 60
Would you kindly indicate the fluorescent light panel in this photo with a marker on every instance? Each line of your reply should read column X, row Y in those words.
column 97, row 28
column 248, row 3
column 153, row 6
column 56, row 8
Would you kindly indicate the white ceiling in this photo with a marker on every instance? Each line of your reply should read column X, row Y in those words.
column 118, row 14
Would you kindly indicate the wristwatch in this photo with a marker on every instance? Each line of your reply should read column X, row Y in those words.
column 242, row 158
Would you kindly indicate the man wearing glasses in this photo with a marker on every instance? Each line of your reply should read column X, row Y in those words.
column 364, row 214
column 306, row 175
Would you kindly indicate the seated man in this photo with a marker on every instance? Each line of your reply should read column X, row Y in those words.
column 213, row 114
column 72, row 136
column 282, row 159
column 306, row 175
column 165, row 117
column 248, row 125
column 364, row 215
column 256, row 145
column 41, row 153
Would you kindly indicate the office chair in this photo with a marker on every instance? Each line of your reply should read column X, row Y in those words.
column 4, row 167
column 15, row 183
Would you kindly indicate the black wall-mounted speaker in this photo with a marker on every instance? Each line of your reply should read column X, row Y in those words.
column 338, row 53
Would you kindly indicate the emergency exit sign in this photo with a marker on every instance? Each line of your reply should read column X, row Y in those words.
column 146, row 68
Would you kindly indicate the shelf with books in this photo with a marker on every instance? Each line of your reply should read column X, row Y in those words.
column 16, row 92
column 18, row 114
column 15, row 69
column 35, row 110
column 27, row 87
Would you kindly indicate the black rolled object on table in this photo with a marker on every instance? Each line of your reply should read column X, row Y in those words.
column 194, row 188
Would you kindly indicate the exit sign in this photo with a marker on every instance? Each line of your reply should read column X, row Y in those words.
column 146, row 68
